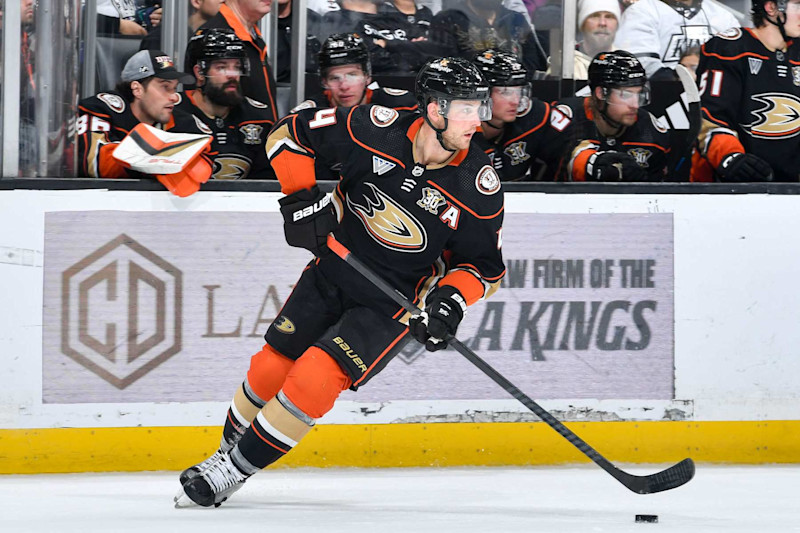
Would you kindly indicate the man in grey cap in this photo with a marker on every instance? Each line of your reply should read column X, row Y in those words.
column 147, row 94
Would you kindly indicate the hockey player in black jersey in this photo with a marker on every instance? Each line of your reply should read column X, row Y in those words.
column 750, row 96
column 239, row 124
column 520, row 131
column 345, row 72
column 417, row 202
column 610, row 136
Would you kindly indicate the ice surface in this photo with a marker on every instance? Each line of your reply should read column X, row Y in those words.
column 584, row 499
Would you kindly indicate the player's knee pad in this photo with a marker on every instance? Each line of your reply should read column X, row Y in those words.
column 268, row 370
column 314, row 382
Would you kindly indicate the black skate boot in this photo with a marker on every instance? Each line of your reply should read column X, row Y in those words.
column 213, row 485
column 194, row 471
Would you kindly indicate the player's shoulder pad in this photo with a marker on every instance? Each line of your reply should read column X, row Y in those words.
column 479, row 185
column 187, row 122
column 729, row 44
column 368, row 117
column 105, row 103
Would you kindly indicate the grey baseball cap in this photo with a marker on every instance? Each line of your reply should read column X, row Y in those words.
column 146, row 63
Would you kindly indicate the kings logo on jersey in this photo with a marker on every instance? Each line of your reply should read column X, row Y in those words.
column 387, row 222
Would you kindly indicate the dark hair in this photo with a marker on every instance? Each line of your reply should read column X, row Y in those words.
column 124, row 88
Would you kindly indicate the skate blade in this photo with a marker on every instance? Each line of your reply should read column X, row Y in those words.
column 182, row 500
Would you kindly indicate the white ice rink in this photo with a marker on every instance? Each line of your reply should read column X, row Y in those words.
column 730, row 499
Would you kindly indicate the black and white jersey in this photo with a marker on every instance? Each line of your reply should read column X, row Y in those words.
column 237, row 148
column 753, row 93
column 657, row 31
column 413, row 224
column 647, row 141
column 535, row 135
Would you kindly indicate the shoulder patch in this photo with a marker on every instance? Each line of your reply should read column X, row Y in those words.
column 116, row 103
column 527, row 108
column 394, row 92
column 487, row 181
column 255, row 103
column 657, row 124
column 382, row 116
column 180, row 99
column 305, row 104
column 731, row 34
column 202, row 125
column 565, row 109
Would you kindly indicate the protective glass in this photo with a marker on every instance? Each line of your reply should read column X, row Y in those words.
column 521, row 94
column 465, row 109
column 226, row 67
column 351, row 78
column 629, row 95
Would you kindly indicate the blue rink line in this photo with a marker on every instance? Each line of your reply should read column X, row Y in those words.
column 730, row 499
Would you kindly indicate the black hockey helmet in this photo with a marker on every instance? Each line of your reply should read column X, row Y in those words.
column 616, row 69
column 501, row 69
column 757, row 6
column 450, row 78
column 344, row 49
column 209, row 44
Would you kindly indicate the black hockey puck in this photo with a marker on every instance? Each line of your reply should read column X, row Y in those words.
column 649, row 518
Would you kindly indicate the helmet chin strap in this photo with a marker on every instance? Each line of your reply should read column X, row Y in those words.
column 439, row 132
column 779, row 23
column 618, row 126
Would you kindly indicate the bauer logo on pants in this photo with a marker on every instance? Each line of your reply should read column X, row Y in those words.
column 121, row 311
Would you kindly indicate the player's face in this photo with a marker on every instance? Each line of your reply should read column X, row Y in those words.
column 599, row 30
column 792, row 25
column 463, row 119
column 508, row 101
column 223, row 82
column 158, row 99
column 347, row 85
column 623, row 104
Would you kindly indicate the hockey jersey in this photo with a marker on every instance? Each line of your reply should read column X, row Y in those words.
column 646, row 140
column 103, row 121
column 751, row 102
column 535, row 135
column 415, row 225
column 237, row 149
column 398, row 99
column 658, row 31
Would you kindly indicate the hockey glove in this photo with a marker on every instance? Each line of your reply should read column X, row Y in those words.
column 308, row 218
column 613, row 166
column 741, row 167
column 443, row 313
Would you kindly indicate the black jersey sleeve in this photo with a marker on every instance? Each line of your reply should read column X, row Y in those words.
column 300, row 138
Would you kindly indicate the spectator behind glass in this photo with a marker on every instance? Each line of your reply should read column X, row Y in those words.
column 200, row 12
column 481, row 24
column 398, row 27
column 313, row 45
column 598, row 21
column 657, row 31
column 118, row 17
column 690, row 58
column 242, row 16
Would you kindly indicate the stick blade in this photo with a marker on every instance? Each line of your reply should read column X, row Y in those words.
column 673, row 477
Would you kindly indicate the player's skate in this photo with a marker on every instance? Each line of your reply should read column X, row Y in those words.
column 196, row 470
column 213, row 485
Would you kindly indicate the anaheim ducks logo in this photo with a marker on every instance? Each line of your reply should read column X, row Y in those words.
column 284, row 325
column 779, row 118
column 388, row 222
column 230, row 167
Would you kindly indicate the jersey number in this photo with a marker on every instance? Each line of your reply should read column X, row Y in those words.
column 716, row 82
column 558, row 120
column 322, row 118
column 98, row 124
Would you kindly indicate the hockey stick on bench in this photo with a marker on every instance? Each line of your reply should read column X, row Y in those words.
column 672, row 477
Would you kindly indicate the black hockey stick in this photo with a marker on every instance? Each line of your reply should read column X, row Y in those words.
column 672, row 477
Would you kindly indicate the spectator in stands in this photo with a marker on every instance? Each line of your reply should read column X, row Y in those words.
column 118, row 17
column 242, row 16
column 658, row 31
column 200, row 12
column 690, row 58
column 345, row 71
column 27, row 91
column 313, row 22
column 481, row 24
column 520, row 132
column 598, row 21
column 402, row 27
column 147, row 94
column 611, row 137
column 239, row 125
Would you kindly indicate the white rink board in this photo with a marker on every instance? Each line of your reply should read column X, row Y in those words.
column 735, row 308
